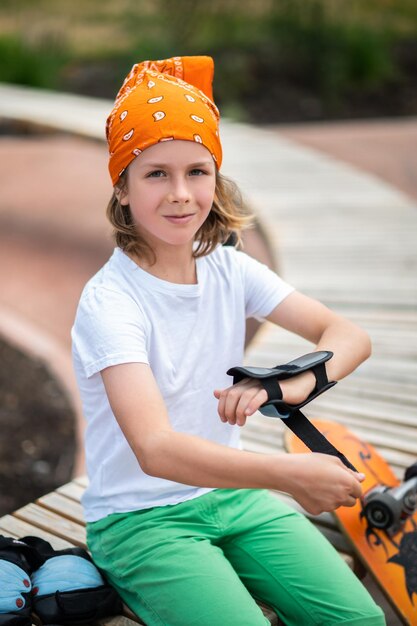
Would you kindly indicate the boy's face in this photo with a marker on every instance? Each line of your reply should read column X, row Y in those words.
column 170, row 191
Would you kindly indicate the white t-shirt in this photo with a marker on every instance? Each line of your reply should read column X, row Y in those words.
column 190, row 335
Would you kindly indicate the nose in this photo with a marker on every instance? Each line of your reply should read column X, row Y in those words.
column 179, row 192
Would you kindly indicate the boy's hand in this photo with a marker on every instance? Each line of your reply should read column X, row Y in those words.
column 238, row 402
column 320, row 482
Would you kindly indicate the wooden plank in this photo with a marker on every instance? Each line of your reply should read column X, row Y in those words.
column 81, row 480
column 7, row 527
column 15, row 527
column 388, row 413
column 72, row 490
column 382, row 391
column 63, row 506
column 47, row 520
column 118, row 620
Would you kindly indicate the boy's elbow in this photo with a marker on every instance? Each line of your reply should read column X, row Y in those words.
column 365, row 344
column 144, row 463
column 369, row 347
column 153, row 454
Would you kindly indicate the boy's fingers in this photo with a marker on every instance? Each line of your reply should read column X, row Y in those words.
column 357, row 490
column 231, row 402
column 248, row 404
column 258, row 399
column 239, row 401
column 222, row 407
column 350, row 501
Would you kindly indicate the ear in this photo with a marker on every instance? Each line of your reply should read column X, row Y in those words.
column 122, row 195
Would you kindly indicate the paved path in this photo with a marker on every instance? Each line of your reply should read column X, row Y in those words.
column 384, row 148
column 342, row 235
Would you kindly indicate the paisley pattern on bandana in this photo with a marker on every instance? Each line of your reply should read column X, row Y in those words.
column 161, row 101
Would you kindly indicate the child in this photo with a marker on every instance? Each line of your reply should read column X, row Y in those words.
column 178, row 516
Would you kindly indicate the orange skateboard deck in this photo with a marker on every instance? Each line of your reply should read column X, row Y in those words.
column 391, row 559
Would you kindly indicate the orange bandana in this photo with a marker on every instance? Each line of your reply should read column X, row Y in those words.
column 160, row 101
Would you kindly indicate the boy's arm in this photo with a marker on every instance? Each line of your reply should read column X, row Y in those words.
column 318, row 482
column 313, row 321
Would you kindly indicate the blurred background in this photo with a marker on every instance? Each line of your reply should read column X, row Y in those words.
column 276, row 60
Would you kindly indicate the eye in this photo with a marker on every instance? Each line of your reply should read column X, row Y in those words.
column 156, row 174
column 197, row 172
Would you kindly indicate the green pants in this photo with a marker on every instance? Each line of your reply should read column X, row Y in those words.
column 201, row 561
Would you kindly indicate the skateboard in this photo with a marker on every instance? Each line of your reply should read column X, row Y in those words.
column 382, row 526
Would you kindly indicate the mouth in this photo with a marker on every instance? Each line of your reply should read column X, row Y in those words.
column 179, row 219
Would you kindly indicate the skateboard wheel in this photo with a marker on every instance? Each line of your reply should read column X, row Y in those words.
column 378, row 514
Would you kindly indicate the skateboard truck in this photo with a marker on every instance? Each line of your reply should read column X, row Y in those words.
column 388, row 508
column 290, row 413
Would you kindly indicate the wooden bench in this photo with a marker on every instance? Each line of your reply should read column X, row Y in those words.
column 58, row 518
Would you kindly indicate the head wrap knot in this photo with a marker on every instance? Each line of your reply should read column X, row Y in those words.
column 161, row 101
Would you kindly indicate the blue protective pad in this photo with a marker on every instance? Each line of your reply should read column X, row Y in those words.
column 271, row 410
column 15, row 587
column 66, row 573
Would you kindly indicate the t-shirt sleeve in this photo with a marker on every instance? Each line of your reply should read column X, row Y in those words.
column 264, row 289
column 109, row 329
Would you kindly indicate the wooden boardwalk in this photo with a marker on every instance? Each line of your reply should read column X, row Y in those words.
column 348, row 240
column 340, row 236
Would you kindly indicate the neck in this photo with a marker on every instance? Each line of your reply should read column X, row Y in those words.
column 172, row 265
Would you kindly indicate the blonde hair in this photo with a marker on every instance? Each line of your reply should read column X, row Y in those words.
column 229, row 215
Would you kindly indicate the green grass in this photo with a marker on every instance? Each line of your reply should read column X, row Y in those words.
column 326, row 51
